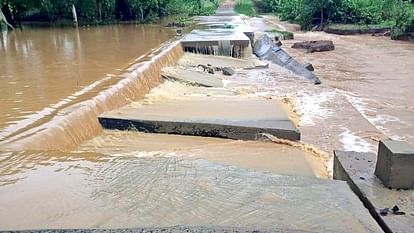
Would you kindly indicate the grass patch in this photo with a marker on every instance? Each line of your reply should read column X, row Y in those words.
column 283, row 35
column 245, row 7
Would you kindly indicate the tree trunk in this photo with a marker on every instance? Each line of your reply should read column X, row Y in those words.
column 321, row 26
column 75, row 16
column 100, row 10
column 3, row 18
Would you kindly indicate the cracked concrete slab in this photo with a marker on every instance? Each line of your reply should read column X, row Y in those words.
column 192, row 77
column 158, row 192
column 193, row 60
column 234, row 118
column 256, row 155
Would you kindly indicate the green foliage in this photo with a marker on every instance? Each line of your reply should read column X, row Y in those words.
column 208, row 7
column 404, row 20
column 95, row 11
column 309, row 13
column 284, row 35
column 245, row 7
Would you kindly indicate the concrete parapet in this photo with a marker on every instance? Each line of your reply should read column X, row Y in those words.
column 395, row 165
column 358, row 170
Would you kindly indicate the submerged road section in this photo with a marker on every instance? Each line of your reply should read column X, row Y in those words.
column 206, row 190
column 181, row 149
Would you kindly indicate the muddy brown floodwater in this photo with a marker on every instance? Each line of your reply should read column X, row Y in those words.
column 366, row 94
column 58, row 169
column 45, row 69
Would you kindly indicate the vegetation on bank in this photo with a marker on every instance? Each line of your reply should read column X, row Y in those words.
column 245, row 7
column 399, row 14
column 283, row 35
column 101, row 11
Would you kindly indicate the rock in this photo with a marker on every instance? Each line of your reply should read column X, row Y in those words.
column 384, row 212
column 395, row 208
column 315, row 46
column 227, row 71
column 203, row 66
column 278, row 43
column 399, row 213
column 309, row 66
column 396, row 211
column 207, row 68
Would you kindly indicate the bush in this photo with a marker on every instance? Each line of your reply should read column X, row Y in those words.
column 309, row 13
column 92, row 11
column 404, row 20
column 245, row 7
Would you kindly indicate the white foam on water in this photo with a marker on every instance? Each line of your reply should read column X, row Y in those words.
column 146, row 154
column 226, row 82
column 313, row 107
column 271, row 93
column 384, row 118
column 352, row 142
column 379, row 121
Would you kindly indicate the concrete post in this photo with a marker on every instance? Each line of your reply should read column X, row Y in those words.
column 395, row 164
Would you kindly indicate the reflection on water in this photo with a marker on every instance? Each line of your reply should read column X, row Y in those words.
column 42, row 67
column 64, row 124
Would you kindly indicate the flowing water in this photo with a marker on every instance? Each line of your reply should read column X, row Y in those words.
column 55, row 80
column 366, row 94
column 58, row 169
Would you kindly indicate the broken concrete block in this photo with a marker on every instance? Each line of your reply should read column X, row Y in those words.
column 265, row 49
column 309, row 66
column 395, row 165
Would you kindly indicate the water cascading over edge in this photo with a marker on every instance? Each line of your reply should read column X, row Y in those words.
column 77, row 123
